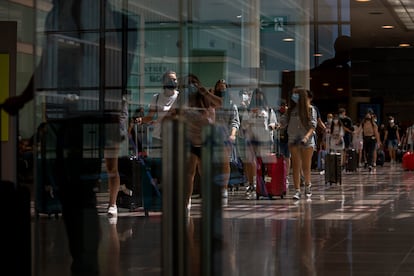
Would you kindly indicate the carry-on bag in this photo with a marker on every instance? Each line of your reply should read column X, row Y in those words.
column 237, row 177
column 271, row 176
column 408, row 161
column 130, row 192
column 351, row 160
column 140, row 178
column 333, row 168
column 380, row 157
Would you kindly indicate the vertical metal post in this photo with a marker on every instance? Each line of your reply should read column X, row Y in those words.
column 211, row 185
column 174, row 187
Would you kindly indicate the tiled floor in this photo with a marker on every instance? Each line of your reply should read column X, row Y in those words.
column 363, row 227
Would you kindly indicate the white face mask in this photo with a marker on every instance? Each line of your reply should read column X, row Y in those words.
column 391, row 121
column 329, row 121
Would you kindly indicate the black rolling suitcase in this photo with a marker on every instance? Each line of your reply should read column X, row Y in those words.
column 130, row 194
column 351, row 160
column 333, row 168
column 140, row 178
column 46, row 192
column 380, row 157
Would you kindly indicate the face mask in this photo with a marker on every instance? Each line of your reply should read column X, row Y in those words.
column 335, row 121
column 329, row 121
column 367, row 118
column 295, row 98
column 192, row 89
column 220, row 93
column 282, row 109
column 171, row 84
column 391, row 121
column 341, row 116
column 245, row 97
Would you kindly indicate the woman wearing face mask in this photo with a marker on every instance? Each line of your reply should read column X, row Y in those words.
column 228, row 121
column 199, row 111
column 358, row 141
column 371, row 140
column 301, row 120
column 328, row 123
column 392, row 139
column 258, row 125
column 336, row 141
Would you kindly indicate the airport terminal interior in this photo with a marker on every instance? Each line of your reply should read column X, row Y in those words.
column 86, row 83
column 361, row 227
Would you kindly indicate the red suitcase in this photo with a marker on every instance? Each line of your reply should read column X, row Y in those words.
column 271, row 176
column 408, row 161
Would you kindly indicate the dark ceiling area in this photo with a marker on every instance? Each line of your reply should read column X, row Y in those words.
column 368, row 19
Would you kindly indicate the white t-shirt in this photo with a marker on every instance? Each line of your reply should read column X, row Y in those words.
column 163, row 104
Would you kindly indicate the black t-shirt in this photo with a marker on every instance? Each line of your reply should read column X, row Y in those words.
column 392, row 132
column 347, row 122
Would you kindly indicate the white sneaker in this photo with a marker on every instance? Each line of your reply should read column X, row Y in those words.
column 112, row 211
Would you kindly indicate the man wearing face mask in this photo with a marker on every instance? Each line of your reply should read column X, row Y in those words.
column 160, row 106
column 392, row 139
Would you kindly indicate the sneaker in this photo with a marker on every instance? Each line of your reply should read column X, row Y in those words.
column 308, row 190
column 296, row 195
column 112, row 211
column 113, row 220
column 249, row 189
column 225, row 193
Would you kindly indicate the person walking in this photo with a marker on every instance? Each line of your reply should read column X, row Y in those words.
column 159, row 109
column 336, row 140
column 227, row 120
column 392, row 139
column 301, row 121
column 259, row 125
column 70, row 66
column 347, row 124
column 199, row 112
column 371, row 140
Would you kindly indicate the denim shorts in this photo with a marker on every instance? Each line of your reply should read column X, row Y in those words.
column 392, row 144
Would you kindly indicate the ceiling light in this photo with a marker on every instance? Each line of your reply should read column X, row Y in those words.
column 404, row 9
column 404, row 45
column 362, row 1
column 317, row 55
column 288, row 39
column 387, row 27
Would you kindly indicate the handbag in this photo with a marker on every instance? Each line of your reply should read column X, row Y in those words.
column 237, row 175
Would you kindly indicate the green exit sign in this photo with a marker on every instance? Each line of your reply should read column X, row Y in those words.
column 273, row 23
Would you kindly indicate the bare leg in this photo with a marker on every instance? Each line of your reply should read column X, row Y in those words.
column 111, row 163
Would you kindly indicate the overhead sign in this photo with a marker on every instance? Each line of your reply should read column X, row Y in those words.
column 273, row 24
